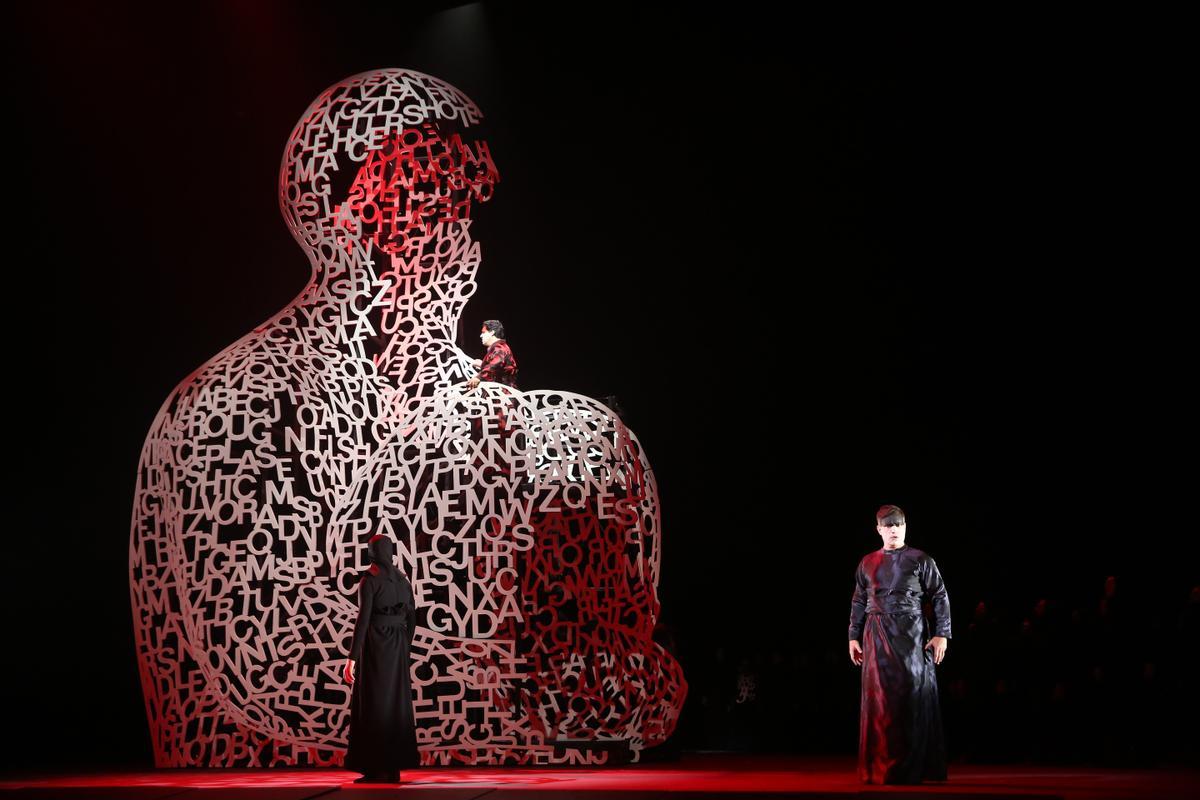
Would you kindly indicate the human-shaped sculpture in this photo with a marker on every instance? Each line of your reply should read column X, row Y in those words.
column 530, row 534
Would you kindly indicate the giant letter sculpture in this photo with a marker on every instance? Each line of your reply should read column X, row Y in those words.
column 528, row 522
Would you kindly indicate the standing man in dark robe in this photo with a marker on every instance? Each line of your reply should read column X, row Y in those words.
column 900, row 726
column 497, row 364
column 383, row 737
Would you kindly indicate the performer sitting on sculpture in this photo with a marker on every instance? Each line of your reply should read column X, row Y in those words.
column 382, row 729
column 497, row 364
column 900, row 727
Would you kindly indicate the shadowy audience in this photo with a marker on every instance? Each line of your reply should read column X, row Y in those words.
column 1099, row 680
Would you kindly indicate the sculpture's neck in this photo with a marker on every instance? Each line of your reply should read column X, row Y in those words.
column 379, row 304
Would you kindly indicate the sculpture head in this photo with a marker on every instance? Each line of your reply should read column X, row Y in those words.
column 378, row 161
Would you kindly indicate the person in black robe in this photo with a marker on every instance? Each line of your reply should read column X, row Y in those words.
column 900, row 725
column 383, row 737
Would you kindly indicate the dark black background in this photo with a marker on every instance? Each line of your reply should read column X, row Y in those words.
column 822, row 264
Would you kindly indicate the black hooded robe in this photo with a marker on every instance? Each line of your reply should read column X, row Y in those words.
column 900, row 723
column 382, row 728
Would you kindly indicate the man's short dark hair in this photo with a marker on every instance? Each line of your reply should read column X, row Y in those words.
column 889, row 515
column 495, row 326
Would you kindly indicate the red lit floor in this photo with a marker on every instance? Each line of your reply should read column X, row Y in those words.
column 695, row 776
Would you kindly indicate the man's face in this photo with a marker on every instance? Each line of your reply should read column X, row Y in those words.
column 893, row 534
column 486, row 337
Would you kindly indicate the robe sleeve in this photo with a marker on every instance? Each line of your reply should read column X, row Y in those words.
column 935, row 595
column 858, row 604
column 410, row 611
column 366, row 599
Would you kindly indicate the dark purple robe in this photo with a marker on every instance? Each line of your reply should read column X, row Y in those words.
column 900, row 724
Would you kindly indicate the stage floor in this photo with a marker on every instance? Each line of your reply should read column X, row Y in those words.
column 713, row 775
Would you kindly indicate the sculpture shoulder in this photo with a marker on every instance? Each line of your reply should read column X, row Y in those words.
column 259, row 364
column 265, row 349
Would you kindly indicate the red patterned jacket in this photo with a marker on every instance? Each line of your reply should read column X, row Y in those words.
column 499, row 364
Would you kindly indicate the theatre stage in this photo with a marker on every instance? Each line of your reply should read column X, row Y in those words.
column 700, row 775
